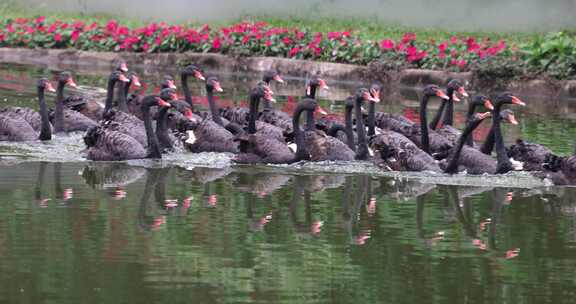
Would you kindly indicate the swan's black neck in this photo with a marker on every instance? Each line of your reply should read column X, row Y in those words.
column 252, row 115
column 471, row 109
column 45, row 130
column 310, row 126
column 348, row 128
column 424, row 124
column 153, row 145
column 109, row 95
column 122, row 94
column 301, row 151
column 186, row 90
column 214, row 111
column 371, row 118
column 267, row 104
column 362, row 152
column 503, row 162
column 162, row 129
column 59, row 112
column 455, row 153
column 488, row 145
column 448, row 119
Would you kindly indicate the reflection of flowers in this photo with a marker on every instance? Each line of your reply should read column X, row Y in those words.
column 257, row 39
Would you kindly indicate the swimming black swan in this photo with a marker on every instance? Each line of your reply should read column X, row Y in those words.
column 107, row 145
column 501, row 100
column 16, row 127
column 362, row 94
column 429, row 140
column 210, row 135
column 345, row 133
column 257, row 147
column 187, row 71
column 182, row 111
column 533, row 155
column 312, row 86
column 477, row 101
column 454, row 86
column 66, row 120
column 474, row 161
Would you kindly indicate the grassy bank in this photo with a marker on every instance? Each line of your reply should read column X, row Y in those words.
column 492, row 55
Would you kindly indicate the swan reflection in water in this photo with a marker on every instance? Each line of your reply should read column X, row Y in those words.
column 112, row 177
column 61, row 195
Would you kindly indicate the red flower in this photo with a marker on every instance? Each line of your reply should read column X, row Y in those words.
column 294, row 51
column 442, row 47
column 1, row 36
column 286, row 40
column 74, row 36
column 52, row 28
column 408, row 37
column 334, row 35
column 145, row 47
column 245, row 39
column 10, row 28
column 58, row 37
column 387, row 44
column 111, row 26
column 216, row 43
column 268, row 43
column 346, row 34
column 40, row 19
column 453, row 39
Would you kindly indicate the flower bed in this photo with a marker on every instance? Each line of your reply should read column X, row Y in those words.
column 259, row 39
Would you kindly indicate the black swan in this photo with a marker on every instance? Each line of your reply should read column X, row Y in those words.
column 66, row 120
column 312, row 86
column 474, row 161
column 362, row 94
column 187, row 71
column 501, row 100
column 14, row 127
column 257, row 147
column 336, row 130
column 429, row 140
column 183, row 112
column 124, row 90
column 533, row 155
column 477, row 101
column 106, row 145
column 454, row 86
column 210, row 135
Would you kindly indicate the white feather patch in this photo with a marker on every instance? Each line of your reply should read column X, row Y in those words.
column 371, row 152
column 191, row 137
column 293, row 147
column 517, row 165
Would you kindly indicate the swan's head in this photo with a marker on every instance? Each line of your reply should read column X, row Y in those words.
column 270, row 75
column 478, row 117
column 509, row 98
column 308, row 104
column 118, row 76
column 192, row 70
column 44, row 84
column 66, row 79
column 456, row 88
column 349, row 102
column 134, row 79
column 434, row 90
column 316, row 82
column 508, row 116
column 121, row 66
column 165, row 96
column 184, row 108
column 482, row 100
column 168, row 82
column 212, row 84
column 375, row 90
column 92, row 135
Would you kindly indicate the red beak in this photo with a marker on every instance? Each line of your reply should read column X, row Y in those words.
column 189, row 115
column 123, row 78
column 174, row 96
column 278, row 79
column 123, row 67
column 71, row 83
column 323, row 84
column 485, row 115
column 136, row 81
column 268, row 97
column 512, row 119
column 462, row 92
column 488, row 105
column 217, row 87
column 369, row 97
column 49, row 87
column 441, row 94
column 455, row 98
column 516, row 100
column 321, row 111
column 171, row 84
column 199, row 75
column 162, row 103
column 509, row 196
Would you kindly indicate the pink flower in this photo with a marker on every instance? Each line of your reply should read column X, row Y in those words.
column 453, row 39
column 286, row 40
column 462, row 63
column 111, row 26
column 408, row 37
column 216, row 43
column 58, row 37
column 74, row 36
column 245, row 39
column 1, row 36
column 346, row 34
column 334, row 35
column 268, row 43
column 52, row 28
column 293, row 51
column 145, row 47
column 41, row 19
column 387, row 44
column 442, row 47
